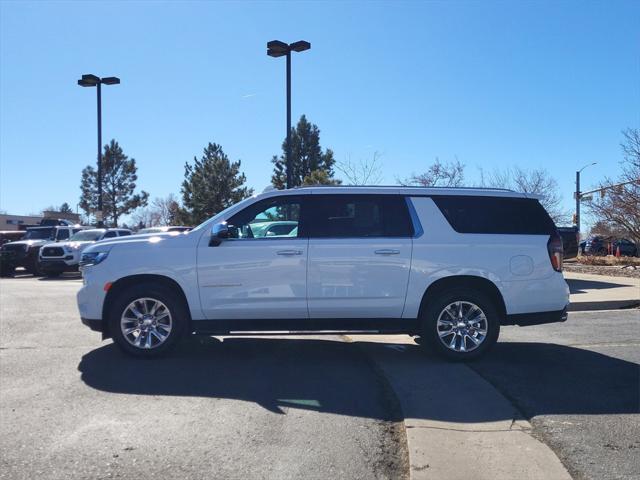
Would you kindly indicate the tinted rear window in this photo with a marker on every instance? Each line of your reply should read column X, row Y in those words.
column 523, row 216
column 358, row 216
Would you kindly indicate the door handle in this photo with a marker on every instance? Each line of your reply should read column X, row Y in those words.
column 289, row 253
column 387, row 251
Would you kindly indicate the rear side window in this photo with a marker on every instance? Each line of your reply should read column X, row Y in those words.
column 110, row 234
column 358, row 216
column 468, row 214
column 123, row 233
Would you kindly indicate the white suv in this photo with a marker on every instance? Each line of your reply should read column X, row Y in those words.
column 448, row 265
column 58, row 257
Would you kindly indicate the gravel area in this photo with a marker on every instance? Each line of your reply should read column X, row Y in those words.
column 613, row 271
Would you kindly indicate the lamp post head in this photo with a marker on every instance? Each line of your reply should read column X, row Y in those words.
column 300, row 46
column 111, row 81
column 276, row 48
column 588, row 165
column 88, row 80
column 92, row 80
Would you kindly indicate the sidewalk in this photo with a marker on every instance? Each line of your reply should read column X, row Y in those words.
column 458, row 426
column 599, row 292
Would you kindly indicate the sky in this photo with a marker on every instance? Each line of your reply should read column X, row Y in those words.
column 494, row 84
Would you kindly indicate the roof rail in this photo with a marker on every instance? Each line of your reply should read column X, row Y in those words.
column 405, row 186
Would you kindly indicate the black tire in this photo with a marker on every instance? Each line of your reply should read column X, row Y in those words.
column 34, row 267
column 179, row 316
column 429, row 321
column 6, row 270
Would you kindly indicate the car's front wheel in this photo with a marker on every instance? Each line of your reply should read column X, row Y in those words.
column 460, row 324
column 147, row 320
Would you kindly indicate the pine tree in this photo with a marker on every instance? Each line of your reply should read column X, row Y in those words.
column 210, row 185
column 119, row 177
column 65, row 208
column 308, row 160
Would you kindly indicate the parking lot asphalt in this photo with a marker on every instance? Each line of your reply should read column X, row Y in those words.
column 72, row 406
column 313, row 407
column 578, row 383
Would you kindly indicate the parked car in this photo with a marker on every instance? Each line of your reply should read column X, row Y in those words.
column 171, row 228
column 627, row 247
column 601, row 245
column 7, row 236
column 363, row 259
column 56, row 258
column 569, row 237
column 24, row 253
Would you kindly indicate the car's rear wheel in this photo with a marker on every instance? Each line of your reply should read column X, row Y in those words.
column 460, row 324
column 147, row 320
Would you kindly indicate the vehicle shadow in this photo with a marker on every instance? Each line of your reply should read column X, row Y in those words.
column 63, row 277
column 544, row 378
column 580, row 286
column 337, row 377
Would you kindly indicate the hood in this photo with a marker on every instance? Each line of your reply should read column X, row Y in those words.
column 136, row 240
column 74, row 245
column 30, row 243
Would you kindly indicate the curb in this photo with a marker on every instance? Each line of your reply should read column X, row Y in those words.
column 458, row 426
column 604, row 305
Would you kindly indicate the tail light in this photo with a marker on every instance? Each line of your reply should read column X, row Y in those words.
column 556, row 254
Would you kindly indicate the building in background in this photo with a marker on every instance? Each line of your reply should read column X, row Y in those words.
column 20, row 222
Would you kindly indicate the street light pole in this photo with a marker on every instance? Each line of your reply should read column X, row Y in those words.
column 578, row 194
column 90, row 80
column 288, row 153
column 99, row 90
column 276, row 48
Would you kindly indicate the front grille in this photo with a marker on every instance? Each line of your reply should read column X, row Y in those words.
column 11, row 247
column 52, row 252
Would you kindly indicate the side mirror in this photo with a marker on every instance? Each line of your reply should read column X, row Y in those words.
column 219, row 232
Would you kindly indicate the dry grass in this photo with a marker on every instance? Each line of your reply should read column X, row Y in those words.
column 608, row 261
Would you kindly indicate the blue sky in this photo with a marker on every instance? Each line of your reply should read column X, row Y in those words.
column 495, row 84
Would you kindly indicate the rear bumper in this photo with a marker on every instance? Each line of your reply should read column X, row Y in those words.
column 537, row 318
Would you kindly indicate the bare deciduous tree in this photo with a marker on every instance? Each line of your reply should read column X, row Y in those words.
column 537, row 181
column 362, row 172
column 450, row 174
column 619, row 207
column 163, row 211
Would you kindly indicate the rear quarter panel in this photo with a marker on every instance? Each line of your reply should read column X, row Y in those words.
column 518, row 265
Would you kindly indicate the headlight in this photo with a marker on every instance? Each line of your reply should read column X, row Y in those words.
column 93, row 258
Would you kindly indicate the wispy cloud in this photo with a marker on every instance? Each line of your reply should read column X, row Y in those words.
column 249, row 95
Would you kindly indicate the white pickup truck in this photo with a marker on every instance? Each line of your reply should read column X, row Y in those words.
column 58, row 257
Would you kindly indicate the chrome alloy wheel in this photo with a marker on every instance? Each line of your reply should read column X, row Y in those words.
column 146, row 323
column 462, row 326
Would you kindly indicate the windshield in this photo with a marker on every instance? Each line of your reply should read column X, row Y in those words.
column 39, row 234
column 87, row 236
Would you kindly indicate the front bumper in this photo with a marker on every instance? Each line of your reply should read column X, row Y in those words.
column 94, row 324
column 90, row 297
column 57, row 265
column 14, row 258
